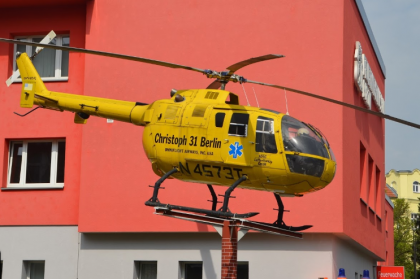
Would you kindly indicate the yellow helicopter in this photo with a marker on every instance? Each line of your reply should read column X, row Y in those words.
column 205, row 136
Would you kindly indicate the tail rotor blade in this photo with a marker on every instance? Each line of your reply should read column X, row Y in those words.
column 46, row 40
column 13, row 77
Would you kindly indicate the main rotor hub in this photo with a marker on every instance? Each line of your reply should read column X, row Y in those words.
column 225, row 76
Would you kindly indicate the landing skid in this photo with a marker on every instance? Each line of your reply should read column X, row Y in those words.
column 224, row 211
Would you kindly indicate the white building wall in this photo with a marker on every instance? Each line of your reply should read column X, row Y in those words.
column 112, row 255
column 57, row 246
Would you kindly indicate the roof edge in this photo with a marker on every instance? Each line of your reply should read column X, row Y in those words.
column 371, row 36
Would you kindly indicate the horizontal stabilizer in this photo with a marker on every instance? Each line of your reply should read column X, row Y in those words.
column 46, row 98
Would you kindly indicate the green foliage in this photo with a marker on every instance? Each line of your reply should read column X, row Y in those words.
column 403, row 237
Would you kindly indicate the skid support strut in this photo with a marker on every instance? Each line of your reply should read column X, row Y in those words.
column 280, row 223
column 229, row 191
column 213, row 197
column 157, row 185
column 154, row 201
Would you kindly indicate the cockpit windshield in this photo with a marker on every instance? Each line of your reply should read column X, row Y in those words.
column 298, row 137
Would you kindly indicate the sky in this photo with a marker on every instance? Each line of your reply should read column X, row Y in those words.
column 396, row 27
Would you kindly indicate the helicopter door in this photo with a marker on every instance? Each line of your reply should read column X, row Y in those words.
column 266, row 151
column 236, row 146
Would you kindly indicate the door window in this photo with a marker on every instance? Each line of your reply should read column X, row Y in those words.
column 265, row 140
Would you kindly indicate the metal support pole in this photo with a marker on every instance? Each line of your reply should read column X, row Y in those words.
column 229, row 250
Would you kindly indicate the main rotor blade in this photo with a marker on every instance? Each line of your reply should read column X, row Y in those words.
column 233, row 68
column 214, row 85
column 382, row 115
column 107, row 54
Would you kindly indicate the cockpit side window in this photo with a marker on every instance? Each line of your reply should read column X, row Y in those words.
column 239, row 125
column 265, row 140
column 220, row 117
column 297, row 137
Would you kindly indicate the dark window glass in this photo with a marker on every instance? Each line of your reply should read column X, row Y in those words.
column 61, row 158
column 239, row 124
column 146, row 270
column 45, row 60
column 37, row 270
column 193, row 271
column 305, row 165
column 243, row 271
column 240, row 118
column 265, row 140
column 220, row 117
column 65, row 58
column 16, row 158
column 300, row 138
column 38, row 168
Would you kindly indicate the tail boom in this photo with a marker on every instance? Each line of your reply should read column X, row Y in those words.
column 35, row 92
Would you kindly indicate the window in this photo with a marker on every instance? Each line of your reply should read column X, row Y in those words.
column 416, row 187
column 145, row 269
column 51, row 64
column 414, row 216
column 36, row 163
column 33, row 269
column 239, row 125
column 191, row 270
column 265, row 140
column 243, row 270
column 299, row 137
column 220, row 117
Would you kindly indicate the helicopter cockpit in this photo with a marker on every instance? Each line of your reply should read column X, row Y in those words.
column 301, row 140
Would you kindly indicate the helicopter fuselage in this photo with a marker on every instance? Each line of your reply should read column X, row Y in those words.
column 212, row 139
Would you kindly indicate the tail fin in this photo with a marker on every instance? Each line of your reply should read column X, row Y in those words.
column 31, row 81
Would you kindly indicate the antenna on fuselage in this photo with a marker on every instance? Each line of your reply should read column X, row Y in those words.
column 287, row 106
column 255, row 94
column 245, row 94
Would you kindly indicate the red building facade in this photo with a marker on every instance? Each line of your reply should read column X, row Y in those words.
column 106, row 173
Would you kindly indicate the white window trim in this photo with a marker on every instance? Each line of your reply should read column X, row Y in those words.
column 270, row 122
column 58, row 57
column 53, row 168
column 416, row 187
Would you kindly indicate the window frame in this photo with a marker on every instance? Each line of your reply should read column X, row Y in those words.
column 235, row 123
column 416, row 185
column 271, row 123
column 138, row 268
column 182, row 265
column 27, row 266
column 58, row 56
column 23, row 166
